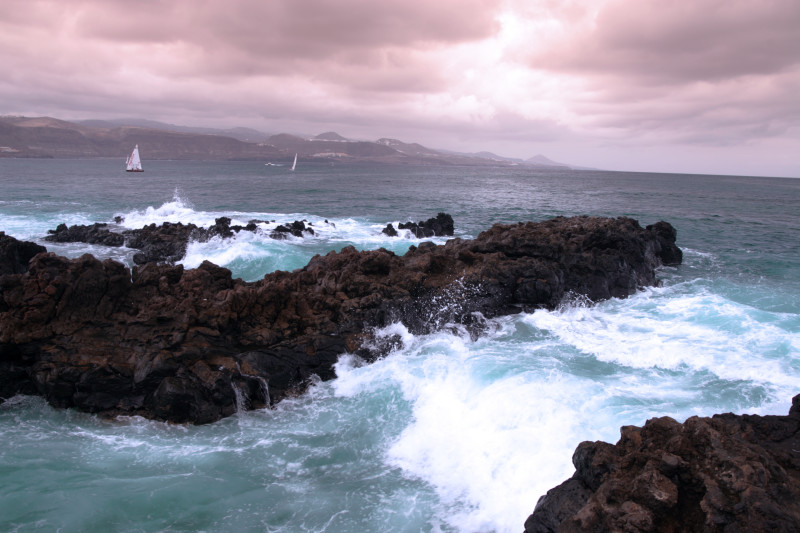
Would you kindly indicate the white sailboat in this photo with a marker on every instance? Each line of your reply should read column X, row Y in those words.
column 134, row 164
column 295, row 162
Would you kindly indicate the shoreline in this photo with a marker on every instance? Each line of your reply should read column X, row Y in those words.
column 181, row 344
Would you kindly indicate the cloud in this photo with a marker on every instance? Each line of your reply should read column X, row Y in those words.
column 254, row 37
column 605, row 74
column 674, row 42
column 702, row 72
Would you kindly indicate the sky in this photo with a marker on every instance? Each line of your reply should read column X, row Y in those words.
column 688, row 86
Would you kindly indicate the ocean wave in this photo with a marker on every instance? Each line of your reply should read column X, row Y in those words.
column 683, row 329
column 485, row 416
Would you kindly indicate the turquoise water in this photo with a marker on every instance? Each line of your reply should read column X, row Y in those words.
column 446, row 433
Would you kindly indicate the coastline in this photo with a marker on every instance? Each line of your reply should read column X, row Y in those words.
column 186, row 345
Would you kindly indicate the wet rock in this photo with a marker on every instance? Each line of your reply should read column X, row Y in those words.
column 195, row 345
column 168, row 242
column 296, row 228
column 15, row 255
column 94, row 234
column 389, row 230
column 441, row 225
column 724, row 473
column 158, row 244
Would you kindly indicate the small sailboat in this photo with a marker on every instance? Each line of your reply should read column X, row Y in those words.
column 134, row 164
column 295, row 162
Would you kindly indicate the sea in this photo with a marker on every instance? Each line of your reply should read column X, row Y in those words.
column 447, row 433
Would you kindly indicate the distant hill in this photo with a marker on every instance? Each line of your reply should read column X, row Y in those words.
column 48, row 137
column 545, row 162
column 542, row 161
column 494, row 157
column 412, row 149
column 51, row 137
column 330, row 136
column 242, row 134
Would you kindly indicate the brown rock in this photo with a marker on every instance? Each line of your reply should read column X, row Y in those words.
column 195, row 345
column 724, row 473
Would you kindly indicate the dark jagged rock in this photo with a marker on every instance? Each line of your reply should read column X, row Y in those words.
column 670, row 254
column 183, row 345
column 166, row 243
column 296, row 228
column 158, row 244
column 389, row 230
column 724, row 473
column 95, row 234
column 441, row 226
column 15, row 255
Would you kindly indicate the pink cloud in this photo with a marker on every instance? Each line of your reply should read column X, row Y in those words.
column 674, row 42
column 476, row 73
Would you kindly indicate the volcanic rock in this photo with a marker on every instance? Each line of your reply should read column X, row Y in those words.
column 95, row 234
column 724, row 473
column 296, row 228
column 441, row 225
column 166, row 243
column 389, row 230
column 196, row 345
column 15, row 255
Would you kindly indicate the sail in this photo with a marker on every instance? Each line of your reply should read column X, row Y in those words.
column 134, row 164
column 295, row 162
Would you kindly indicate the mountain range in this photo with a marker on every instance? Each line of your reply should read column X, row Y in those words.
column 46, row 137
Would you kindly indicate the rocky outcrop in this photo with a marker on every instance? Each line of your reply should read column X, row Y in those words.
column 440, row 226
column 166, row 243
column 194, row 345
column 297, row 228
column 97, row 233
column 15, row 255
column 724, row 473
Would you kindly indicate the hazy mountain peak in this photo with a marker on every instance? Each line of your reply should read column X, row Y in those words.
column 542, row 160
column 330, row 136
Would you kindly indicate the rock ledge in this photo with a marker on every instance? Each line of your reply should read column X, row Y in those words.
column 727, row 473
column 196, row 345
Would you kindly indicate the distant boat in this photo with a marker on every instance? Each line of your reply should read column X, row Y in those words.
column 134, row 164
column 295, row 162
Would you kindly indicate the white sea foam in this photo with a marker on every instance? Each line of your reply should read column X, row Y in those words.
column 178, row 209
column 29, row 228
column 494, row 422
column 244, row 246
column 490, row 443
column 686, row 332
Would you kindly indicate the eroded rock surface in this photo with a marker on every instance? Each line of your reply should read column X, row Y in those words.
column 166, row 243
column 727, row 473
column 194, row 345
column 15, row 255
column 439, row 226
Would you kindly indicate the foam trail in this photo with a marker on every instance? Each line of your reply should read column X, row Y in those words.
column 699, row 332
